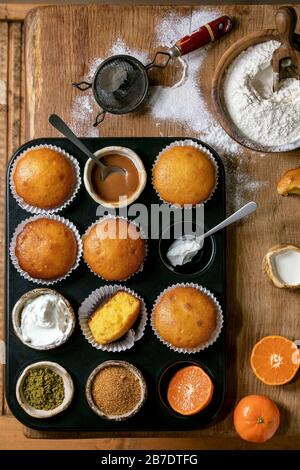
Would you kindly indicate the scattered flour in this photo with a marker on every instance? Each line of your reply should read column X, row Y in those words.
column 268, row 118
column 2, row 92
column 240, row 186
column 184, row 104
column 120, row 47
column 82, row 110
column 2, row 352
column 93, row 65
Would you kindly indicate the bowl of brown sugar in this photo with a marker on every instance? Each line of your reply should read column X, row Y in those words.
column 116, row 390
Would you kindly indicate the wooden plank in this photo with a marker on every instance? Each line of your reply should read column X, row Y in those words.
column 3, row 153
column 18, row 11
column 255, row 308
column 22, row 93
column 13, row 96
column 14, row 90
column 69, row 45
column 15, row 11
column 12, row 437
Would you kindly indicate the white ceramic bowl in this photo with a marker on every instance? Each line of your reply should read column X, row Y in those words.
column 126, row 152
column 68, row 386
column 17, row 314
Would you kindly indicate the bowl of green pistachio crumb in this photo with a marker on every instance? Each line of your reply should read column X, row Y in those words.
column 44, row 389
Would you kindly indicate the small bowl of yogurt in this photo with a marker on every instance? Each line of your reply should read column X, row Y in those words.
column 180, row 252
column 43, row 319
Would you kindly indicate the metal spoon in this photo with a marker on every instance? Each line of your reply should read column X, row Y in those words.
column 196, row 243
column 247, row 209
column 61, row 126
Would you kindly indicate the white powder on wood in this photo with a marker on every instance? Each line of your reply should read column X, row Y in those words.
column 184, row 104
column 2, row 92
column 241, row 187
column 267, row 118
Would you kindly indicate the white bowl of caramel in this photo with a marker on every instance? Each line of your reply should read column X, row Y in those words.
column 117, row 190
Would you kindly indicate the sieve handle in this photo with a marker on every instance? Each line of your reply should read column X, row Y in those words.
column 207, row 33
column 82, row 85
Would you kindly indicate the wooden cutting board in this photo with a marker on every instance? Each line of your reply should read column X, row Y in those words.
column 60, row 43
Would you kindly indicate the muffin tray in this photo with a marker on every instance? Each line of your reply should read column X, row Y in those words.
column 149, row 354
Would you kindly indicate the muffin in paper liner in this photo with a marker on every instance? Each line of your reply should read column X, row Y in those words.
column 38, row 210
column 184, row 143
column 215, row 334
column 19, row 229
column 109, row 216
column 93, row 301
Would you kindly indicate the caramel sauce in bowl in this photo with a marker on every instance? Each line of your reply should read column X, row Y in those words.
column 115, row 186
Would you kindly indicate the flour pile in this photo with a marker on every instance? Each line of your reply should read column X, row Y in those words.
column 268, row 118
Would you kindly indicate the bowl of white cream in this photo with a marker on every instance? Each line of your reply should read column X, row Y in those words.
column 181, row 253
column 43, row 319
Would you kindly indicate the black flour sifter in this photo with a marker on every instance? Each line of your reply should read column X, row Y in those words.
column 121, row 82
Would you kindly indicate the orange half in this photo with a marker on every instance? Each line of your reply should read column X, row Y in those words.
column 190, row 390
column 275, row 360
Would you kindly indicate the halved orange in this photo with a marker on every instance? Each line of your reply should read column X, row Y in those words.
column 190, row 390
column 275, row 360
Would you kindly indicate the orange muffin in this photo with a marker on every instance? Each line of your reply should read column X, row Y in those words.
column 184, row 175
column 46, row 249
column 44, row 178
column 114, row 249
column 184, row 317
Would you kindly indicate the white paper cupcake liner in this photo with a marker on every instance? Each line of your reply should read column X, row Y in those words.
column 38, row 210
column 216, row 332
column 19, row 229
column 184, row 143
column 93, row 301
column 109, row 216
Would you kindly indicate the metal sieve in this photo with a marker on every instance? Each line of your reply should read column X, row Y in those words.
column 121, row 82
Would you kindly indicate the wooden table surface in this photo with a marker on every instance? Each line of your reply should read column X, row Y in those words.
column 255, row 308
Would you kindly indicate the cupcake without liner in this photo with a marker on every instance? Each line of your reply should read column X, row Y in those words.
column 187, row 143
column 24, row 300
column 37, row 210
column 219, row 319
column 95, row 300
column 109, row 216
column 19, row 229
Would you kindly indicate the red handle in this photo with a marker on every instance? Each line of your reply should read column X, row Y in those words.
column 210, row 32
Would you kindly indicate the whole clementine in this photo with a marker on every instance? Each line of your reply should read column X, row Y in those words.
column 256, row 418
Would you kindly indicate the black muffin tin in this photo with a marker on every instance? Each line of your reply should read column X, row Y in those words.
column 149, row 354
